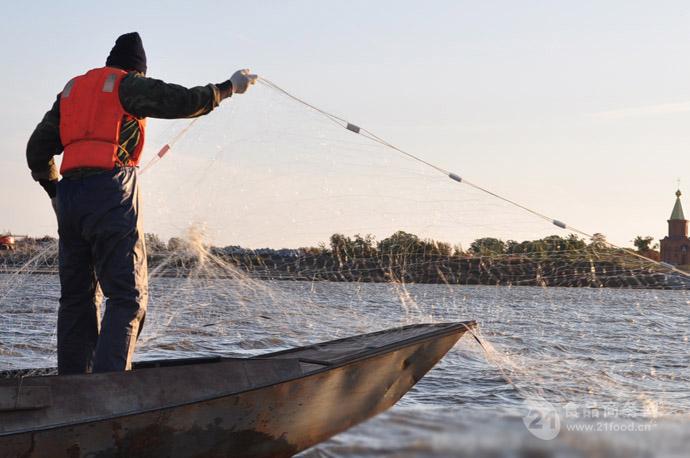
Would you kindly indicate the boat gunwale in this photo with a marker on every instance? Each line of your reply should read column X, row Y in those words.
column 450, row 329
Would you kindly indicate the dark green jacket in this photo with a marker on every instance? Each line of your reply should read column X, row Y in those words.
column 141, row 97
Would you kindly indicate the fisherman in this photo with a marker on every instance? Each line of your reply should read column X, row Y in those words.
column 99, row 120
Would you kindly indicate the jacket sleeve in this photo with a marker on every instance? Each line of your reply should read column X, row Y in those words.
column 45, row 143
column 151, row 98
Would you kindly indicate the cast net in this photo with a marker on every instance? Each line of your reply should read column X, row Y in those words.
column 270, row 225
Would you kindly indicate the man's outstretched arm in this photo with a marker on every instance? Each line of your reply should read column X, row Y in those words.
column 151, row 98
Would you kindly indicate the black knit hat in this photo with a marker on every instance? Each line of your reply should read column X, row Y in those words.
column 128, row 53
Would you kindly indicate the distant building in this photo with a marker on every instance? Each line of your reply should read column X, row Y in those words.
column 674, row 247
column 6, row 242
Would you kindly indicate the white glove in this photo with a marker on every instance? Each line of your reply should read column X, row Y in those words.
column 241, row 80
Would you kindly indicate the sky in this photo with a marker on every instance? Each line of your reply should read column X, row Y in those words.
column 579, row 110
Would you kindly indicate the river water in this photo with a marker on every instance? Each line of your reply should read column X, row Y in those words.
column 593, row 372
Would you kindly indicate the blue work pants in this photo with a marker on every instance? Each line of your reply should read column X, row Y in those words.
column 101, row 244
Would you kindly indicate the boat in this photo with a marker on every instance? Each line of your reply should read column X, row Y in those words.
column 272, row 405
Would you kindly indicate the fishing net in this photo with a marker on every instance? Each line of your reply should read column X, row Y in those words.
column 270, row 225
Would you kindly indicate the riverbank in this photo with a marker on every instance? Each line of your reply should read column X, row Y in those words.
column 567, row 269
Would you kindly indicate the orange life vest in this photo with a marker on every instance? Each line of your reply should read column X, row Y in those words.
column 90, row 119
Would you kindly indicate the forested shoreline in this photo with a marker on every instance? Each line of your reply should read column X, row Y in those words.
column 403, row 257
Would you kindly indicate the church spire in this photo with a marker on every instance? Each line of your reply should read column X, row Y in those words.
column 675, row 248
column 677, row 213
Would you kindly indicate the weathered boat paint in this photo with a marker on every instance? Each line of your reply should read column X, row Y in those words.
column 275, row 405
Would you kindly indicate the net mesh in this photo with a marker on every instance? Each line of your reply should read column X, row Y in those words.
column 269, row 226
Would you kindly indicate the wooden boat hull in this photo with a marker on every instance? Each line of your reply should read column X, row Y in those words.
column 321, row 391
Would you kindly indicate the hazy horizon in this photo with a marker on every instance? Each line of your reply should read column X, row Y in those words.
column 579, row 111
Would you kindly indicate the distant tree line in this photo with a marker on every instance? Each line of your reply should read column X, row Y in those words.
column 406, row 257
column 345, row 248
